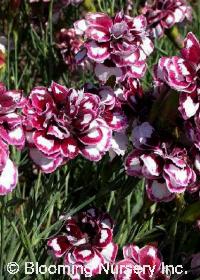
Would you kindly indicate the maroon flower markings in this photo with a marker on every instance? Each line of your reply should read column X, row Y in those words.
column 117, row 46
column 62, row 123
column 11, row 133
column 69, row 44
column 135, row 259
column 166, row 169
column 86, row 240
column 162, row 15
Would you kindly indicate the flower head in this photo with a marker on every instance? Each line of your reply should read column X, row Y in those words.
column 62, row 123
column 117, row 46
column 85, row 240
column 135, row 257
column 11, row 130
column 163, row 15
column 181, row 73
column 168, row 169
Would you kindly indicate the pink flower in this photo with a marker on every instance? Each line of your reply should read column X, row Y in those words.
column 8, row 171
column 69, row 44
column 11, row 130
column 117, row 46
column 136, row 258
column 86, row 240
column 62, row 123
column 163, row 15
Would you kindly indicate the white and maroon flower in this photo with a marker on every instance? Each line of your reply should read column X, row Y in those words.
column 11, row 130
column 135, row 259
column 69, row 44
column 162, row 15
column 62, row 123
column 85, row 240
column 167, row 169
column 182, row 74
column 177, row 73
column 8, row 171
column 157, row 164
column 177, row 172
column 118, row 46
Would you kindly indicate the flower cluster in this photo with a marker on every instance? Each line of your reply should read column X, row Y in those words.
column 86, row 239
column 181, row 73
column 162, row 15
column 11, row 133
column 61, row 123
column 117, row 46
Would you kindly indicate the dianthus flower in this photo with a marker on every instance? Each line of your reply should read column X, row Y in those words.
column 86, row 240
column 117, row 46
column 162, row 15
column 62, row 123
column 140, row 264
column 167, row 168
column 11, row 133
column 181, row 73
column 11, row 129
